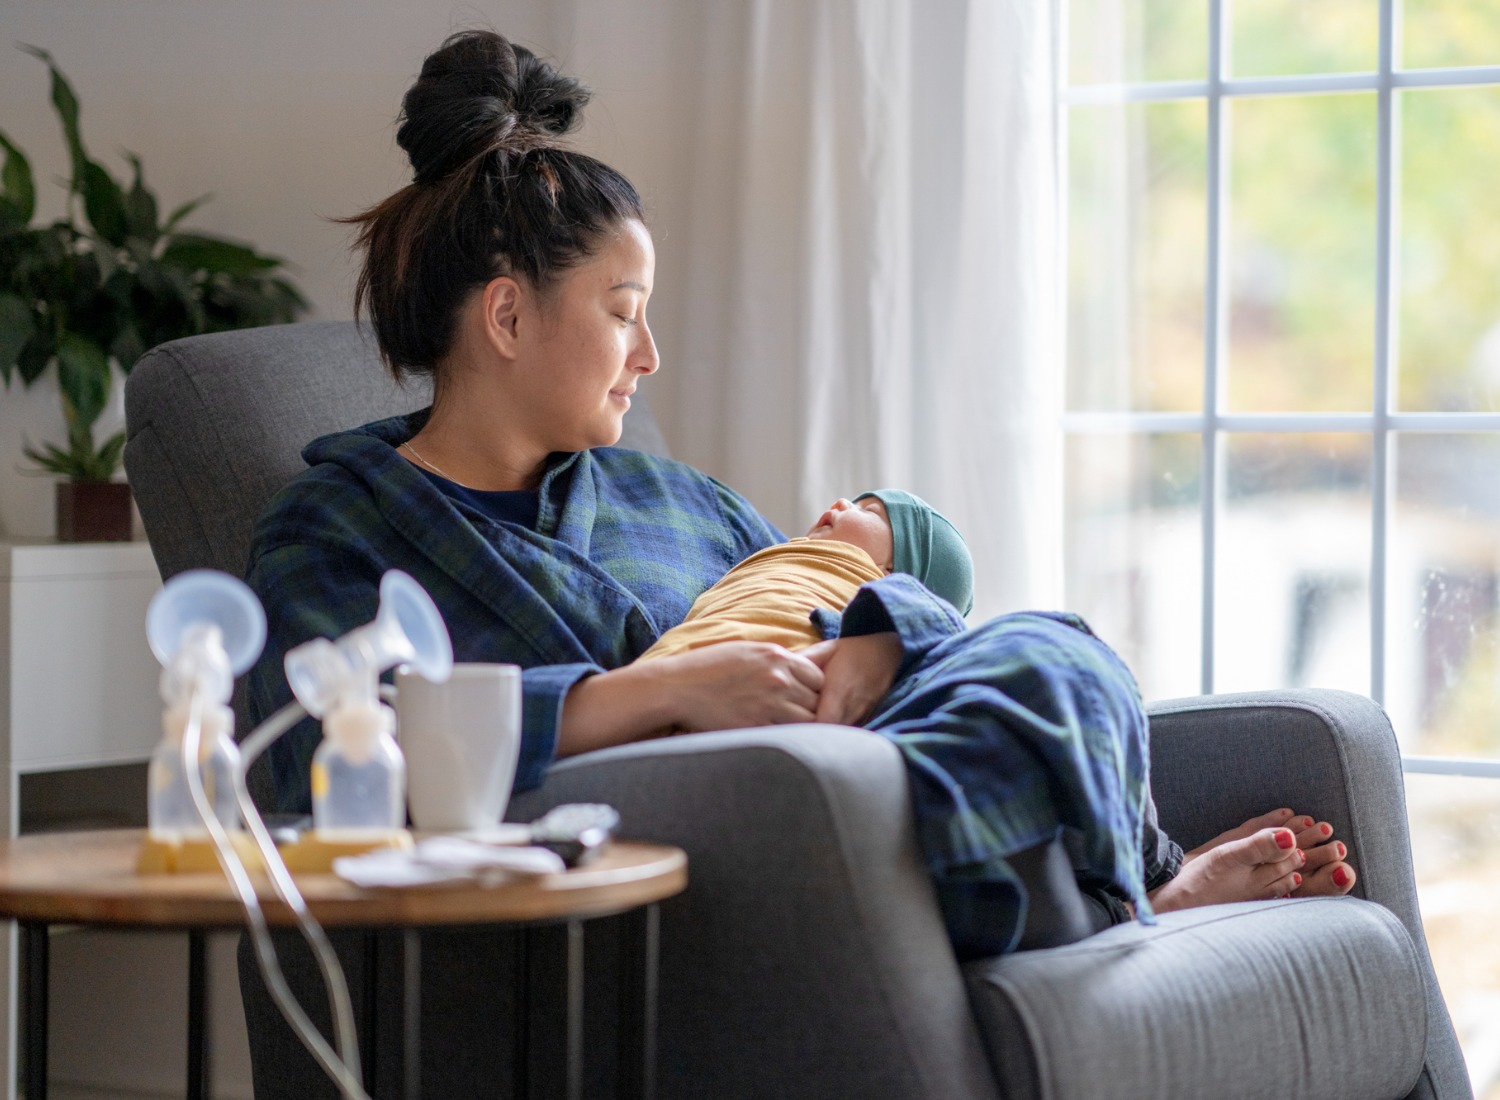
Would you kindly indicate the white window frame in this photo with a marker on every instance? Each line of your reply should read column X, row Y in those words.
column 1212, row 421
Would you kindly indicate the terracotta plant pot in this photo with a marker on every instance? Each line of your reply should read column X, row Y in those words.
column 93, row 511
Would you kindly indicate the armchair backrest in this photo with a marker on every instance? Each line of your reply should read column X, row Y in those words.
column 216, row 425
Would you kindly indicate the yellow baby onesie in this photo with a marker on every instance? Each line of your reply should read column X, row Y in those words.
column 768, row 597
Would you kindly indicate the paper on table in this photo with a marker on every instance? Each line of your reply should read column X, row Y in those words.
column 444, row 859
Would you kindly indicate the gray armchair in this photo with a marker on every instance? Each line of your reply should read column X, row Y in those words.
column 807, row 958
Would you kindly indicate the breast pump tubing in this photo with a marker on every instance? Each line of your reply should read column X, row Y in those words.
column 342, row 1067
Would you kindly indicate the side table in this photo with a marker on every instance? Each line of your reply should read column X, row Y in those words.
column 89, row 878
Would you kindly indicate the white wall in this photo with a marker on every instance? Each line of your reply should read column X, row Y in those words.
column 285, row 110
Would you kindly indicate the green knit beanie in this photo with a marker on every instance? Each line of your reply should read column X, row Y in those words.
column 928, row 547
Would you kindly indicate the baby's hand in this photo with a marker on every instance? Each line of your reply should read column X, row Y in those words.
column 857, row 673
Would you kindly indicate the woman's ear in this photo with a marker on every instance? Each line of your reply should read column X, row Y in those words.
column 501, row 309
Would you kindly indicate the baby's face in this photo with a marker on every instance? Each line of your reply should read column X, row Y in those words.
column 864, row 525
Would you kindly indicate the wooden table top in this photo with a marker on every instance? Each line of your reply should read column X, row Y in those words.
column 90, row 878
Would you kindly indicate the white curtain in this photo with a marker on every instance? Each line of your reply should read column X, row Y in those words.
column 873, row 255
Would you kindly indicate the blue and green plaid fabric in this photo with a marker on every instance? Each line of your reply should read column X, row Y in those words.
column 1010, row 732
column 624, row 543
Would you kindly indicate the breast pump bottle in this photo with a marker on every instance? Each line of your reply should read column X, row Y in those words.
column 358, row 772
column 205, row 628
column 170, row 811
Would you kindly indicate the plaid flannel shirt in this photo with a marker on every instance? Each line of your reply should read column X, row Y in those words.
column 989, row 721
column 624, row 543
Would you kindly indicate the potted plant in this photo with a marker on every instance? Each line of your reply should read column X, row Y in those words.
column 98, row 287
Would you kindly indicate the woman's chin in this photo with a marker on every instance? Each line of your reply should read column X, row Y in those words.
column 603, row 435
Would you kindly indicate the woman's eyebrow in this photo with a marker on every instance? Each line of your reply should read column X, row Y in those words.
column 630, row 285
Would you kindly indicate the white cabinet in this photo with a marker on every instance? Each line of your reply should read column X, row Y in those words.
column 78, row 684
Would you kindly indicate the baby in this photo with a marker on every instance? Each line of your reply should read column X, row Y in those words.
column 771, row 595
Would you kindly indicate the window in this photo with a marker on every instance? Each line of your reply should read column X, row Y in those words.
column 1283, row 383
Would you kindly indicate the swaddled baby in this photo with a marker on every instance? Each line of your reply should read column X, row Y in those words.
column 772, row 594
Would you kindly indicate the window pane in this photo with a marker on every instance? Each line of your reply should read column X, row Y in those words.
column 1279, row 37
column 1137, row 241
column 1302, row 253
column 1450, row 241
column 1293, row 563
column 1443, row 594
column 1134, row 552
column 1455, row 840
column 1438, row 33
column 1113, row 41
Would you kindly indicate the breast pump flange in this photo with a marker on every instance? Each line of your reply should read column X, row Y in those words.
column 358, row 777
column 205, row 628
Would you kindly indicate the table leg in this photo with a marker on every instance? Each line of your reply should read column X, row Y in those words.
column 197, row 1052
column 35, row 949
column 575, row 1009
column 549, row 1008
column 520, row 1084
column 369, row 1010
column 411, row 1013
column 640, row 956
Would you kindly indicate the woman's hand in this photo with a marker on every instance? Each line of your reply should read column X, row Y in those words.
column 718, row 687
column 735, row 684
column 857, row 673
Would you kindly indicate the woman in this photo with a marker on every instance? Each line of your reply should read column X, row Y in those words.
column 517, row 273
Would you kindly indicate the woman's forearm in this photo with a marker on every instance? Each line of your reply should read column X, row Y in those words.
column 613, row 708
column 727, row 685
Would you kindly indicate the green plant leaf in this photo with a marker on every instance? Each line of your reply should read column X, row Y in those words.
column 183, row 211
column 127, row 347
column 81, row 461
column 35, row 356
column 83, row 376
column 16, row 328
column 106, row 262
column 67, row 111
column 53, row 459
column 108, row 457
column 194, row 252
column 17, row 185
column 140, row 205
column 104, row 203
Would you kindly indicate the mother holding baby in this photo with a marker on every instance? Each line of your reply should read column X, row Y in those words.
column 517, row 273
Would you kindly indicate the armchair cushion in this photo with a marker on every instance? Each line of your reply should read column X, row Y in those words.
column 1249, row 997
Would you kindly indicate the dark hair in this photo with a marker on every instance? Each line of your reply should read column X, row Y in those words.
column 494, row 193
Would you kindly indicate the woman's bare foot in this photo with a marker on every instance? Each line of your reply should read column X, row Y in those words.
column 1324, row 872
column 1274, row 855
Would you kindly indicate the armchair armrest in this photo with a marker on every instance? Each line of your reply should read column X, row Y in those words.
column 809, row 925
column 1218, row 760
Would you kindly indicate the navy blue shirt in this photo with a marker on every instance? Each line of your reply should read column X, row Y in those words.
column 521, row 506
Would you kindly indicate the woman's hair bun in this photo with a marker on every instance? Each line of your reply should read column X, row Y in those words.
column 480, row 94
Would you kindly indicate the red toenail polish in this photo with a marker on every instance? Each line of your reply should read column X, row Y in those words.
column 1341, row 849
column 1296, row 879
column 1284, row 839
column 1341, row 877
column 1327, row 830
column 1300, row 856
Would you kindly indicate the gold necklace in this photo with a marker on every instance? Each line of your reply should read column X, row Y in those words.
column 433, row 466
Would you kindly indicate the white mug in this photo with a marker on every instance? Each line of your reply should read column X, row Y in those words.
column 461, row 740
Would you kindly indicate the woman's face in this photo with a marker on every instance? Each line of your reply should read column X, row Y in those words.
column 585, row 345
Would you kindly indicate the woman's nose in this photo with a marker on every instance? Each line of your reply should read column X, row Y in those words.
column 646, row 360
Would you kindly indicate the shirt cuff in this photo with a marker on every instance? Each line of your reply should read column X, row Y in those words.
column 543, row 690
column 902, row 604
